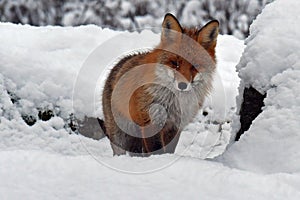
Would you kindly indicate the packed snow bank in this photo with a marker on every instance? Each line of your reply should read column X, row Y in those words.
column 39, row 68
column 40, row 175
column 271, row 64
column 64, row 69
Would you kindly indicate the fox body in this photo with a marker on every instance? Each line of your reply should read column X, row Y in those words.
column 150, row 97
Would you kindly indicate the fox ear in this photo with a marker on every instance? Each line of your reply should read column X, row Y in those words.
column 208, row 35
column 170, row 28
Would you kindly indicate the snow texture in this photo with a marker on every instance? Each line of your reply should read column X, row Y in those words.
column 64, row 69
column 40, row 68
column 41, row 175
column 271, row 64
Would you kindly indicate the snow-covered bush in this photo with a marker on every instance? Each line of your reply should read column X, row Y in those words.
column 235, row 15
column 38, row 13
column 270, row 68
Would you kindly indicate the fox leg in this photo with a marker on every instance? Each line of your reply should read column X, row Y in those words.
column 169, row 137
column 133, row 146
column 165, row 141
column 116, row 137
column 169, row 141
column 144, row 141
column 117, row 150
column 116, row 147
column 150, row 144
column 122, row 142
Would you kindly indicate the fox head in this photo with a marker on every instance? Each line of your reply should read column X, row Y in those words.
column 187, row 54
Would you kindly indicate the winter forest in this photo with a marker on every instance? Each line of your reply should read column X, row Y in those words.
column 235, row 16
column 59, row 61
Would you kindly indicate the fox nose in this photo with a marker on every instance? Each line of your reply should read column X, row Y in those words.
column 182, row 85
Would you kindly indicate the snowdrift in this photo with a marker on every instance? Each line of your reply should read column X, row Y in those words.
column 40, row 69
column 49, row 75
column 270, row 64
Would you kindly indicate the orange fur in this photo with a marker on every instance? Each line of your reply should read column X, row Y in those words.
column 136, row 84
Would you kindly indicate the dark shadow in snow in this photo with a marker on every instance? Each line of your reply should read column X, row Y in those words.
column 253, row 101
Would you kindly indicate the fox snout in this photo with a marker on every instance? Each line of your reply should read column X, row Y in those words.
column 182, row 86
column 181, row 83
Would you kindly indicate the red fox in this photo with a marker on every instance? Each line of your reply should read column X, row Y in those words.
column 149, row 97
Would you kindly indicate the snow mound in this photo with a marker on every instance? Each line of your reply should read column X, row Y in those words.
column 271, row 64
column 272, row 47
column 62, row 71
column 39, row 68
column 41, row 175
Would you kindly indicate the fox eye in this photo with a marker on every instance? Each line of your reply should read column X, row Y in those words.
column 175, row 63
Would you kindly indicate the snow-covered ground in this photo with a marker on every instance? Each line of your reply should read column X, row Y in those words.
column 42, row 175
column 63, row 70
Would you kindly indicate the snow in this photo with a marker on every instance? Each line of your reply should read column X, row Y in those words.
column 278, row 43
column 63, row 70
column 132, row 15
column 270, row 64
column 42, row 175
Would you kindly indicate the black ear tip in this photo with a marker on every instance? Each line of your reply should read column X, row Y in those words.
column 169, row 15
column 214, row 21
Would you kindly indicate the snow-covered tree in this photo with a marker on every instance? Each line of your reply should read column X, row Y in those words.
column 235, row 16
